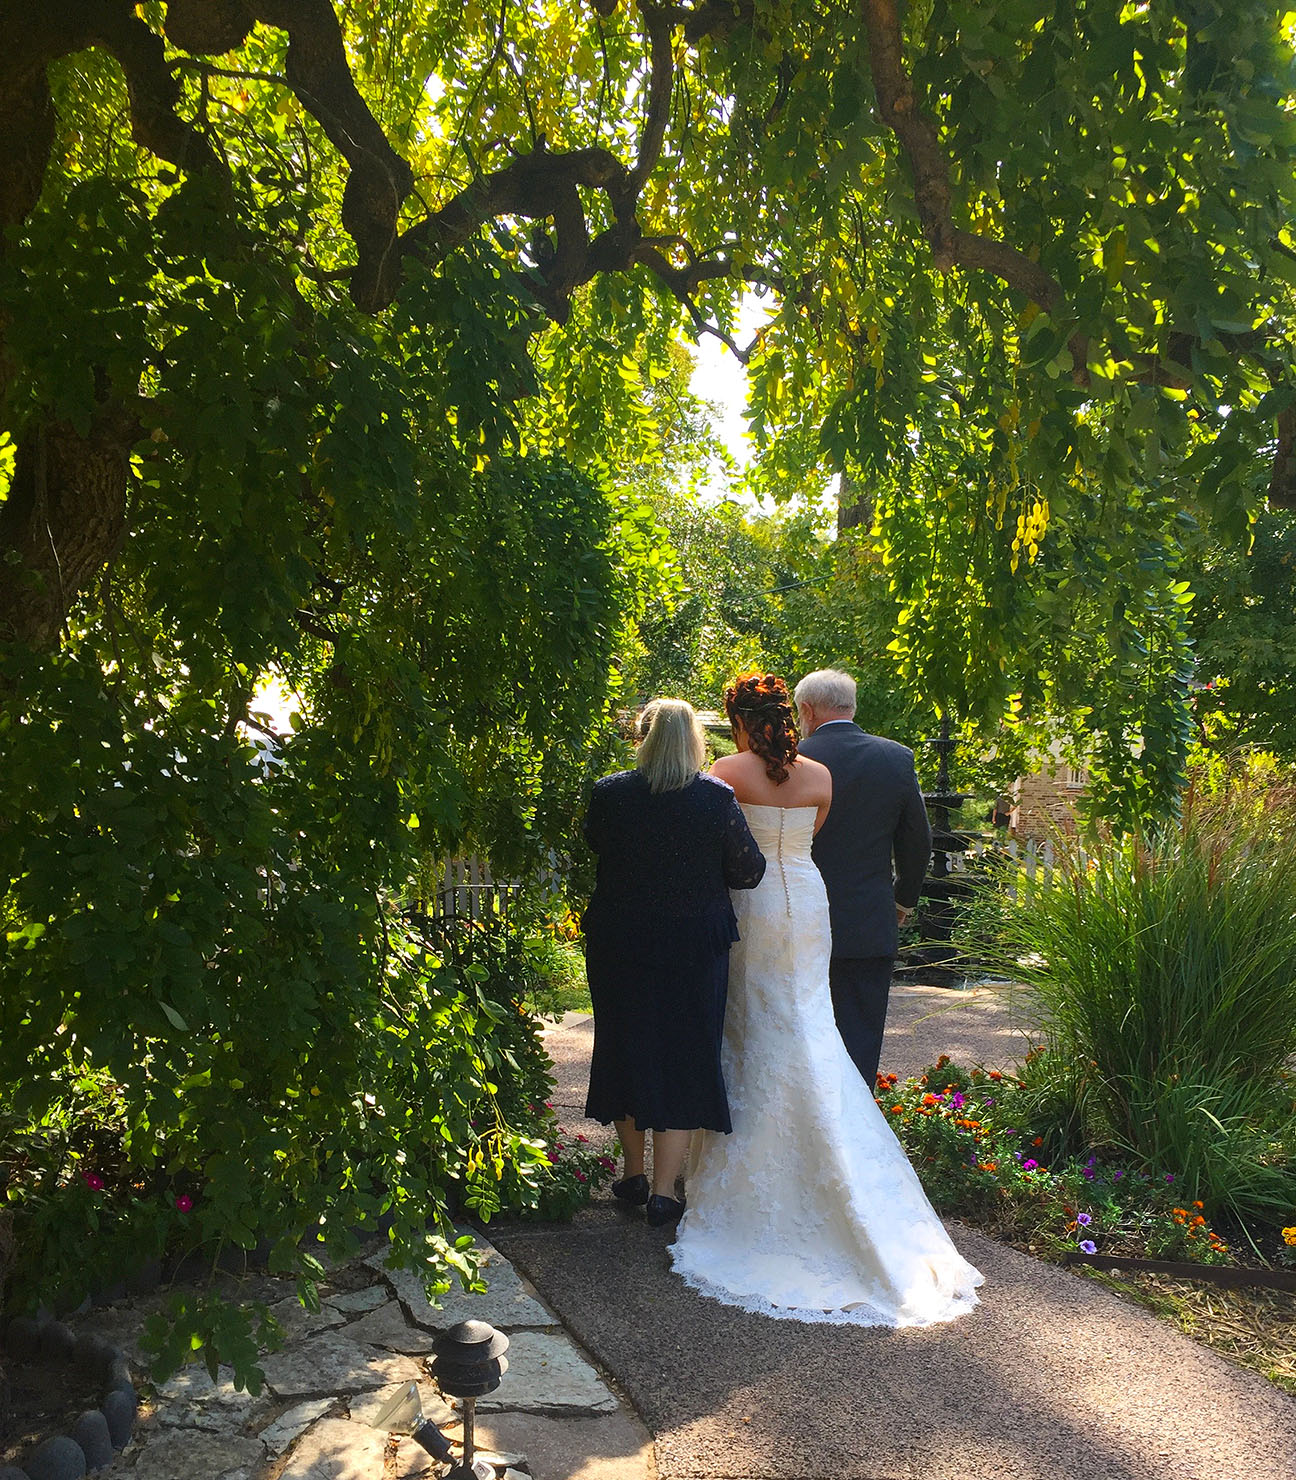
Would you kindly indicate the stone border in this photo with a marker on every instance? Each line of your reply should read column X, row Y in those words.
column 99, row 1432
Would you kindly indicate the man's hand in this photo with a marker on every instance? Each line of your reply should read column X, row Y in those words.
column 902, row 914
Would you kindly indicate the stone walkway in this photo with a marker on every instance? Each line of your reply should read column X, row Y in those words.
column 554, row 1411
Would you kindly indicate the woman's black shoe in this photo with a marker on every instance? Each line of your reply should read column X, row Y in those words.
column 633, row 1191
column 663, row 1210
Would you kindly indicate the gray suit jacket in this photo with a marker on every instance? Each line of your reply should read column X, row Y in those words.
column 877, row 815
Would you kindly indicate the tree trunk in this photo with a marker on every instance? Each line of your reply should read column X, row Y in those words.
column 61, row 523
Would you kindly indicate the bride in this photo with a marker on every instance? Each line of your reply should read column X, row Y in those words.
column 810, row 1209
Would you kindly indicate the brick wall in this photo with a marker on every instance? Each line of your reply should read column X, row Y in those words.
column 1046, row 801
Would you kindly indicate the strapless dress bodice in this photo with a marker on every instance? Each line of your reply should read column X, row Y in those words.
column 783, row 834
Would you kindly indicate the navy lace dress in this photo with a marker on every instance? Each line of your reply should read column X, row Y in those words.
column 657, row 936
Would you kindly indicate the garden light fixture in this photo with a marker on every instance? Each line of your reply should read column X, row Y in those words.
column 468, row 1362
column 403, row 1413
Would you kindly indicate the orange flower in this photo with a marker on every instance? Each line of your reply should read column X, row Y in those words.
column 995, row 1074
column 1038, row 1141
column 930, row 1100
column 896, row 1109
column 1199, row 1204
column 1198, row 1221
column 942, row 1061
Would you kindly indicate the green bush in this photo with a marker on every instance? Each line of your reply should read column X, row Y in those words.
column 1164, row 973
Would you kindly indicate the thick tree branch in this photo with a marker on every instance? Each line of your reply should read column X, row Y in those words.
column 1282, row 483
column 379, row 181
column 929, row 166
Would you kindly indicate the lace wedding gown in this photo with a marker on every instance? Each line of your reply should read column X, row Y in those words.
column 810, row 1209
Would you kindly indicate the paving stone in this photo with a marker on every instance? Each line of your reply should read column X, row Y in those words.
column 356, row 1302
column 365, row 1407
column 176, row 1452
column 615, row 1447
column 330, row 1363
column 508, row 1301
column 387, row 1327
column 191, row 1399
column 336, row 1449
column 297, row 1321
column 289, row 1426
column 546, row 1372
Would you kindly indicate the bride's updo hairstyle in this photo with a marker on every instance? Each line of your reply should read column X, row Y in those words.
column 761, row 702
column 673, row 746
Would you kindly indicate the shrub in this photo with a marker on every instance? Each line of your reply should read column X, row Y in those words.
column 1163, row 969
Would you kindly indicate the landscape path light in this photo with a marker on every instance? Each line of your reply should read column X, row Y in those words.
column 468, row 1362
column 403, row 1413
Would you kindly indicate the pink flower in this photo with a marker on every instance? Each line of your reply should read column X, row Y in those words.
column 184, row 1203
column 93, row 1181
column 553, row 1156
column 580, row 1176
column 584, row 1140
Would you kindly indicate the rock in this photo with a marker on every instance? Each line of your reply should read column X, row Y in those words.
column 365, row 1407
column 388, row 1328
column 291, row 1425
column 23, row 1339
column 336, row 1449
column 296, row 1321
column 60, row 1458
column 91, row 1432
column 547, row 1372
column 57, row 1342
column 356, row 1302
column 330, row 1364
column 94, row 1353
column 191, row 1400
column 119, row 1411
column 507, row 1303
column 12, row 1472
column 174, row 1453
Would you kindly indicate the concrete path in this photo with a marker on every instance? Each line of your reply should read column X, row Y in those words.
column 1051, row 1378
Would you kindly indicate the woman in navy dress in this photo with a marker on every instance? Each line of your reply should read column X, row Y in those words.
column 671, row 843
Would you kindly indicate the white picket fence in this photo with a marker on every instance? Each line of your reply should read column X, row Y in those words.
column 1031, row 856
column 468, row 891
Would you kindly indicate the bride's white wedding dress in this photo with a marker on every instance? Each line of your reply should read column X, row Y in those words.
column 810, row 1209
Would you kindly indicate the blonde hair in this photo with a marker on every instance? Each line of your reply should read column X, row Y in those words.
column 674, row 747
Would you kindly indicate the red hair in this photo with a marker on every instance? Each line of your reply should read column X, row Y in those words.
column 761, row 701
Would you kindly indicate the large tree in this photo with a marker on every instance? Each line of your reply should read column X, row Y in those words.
column 325, row 330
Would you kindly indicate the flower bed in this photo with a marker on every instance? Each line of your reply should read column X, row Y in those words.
column 971, row 1138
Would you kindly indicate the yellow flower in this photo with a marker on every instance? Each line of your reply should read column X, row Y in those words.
column 1289, row 1236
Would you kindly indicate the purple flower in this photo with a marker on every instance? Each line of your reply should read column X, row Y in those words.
column 957, row 1100
column 1087, row 1246
column 1029, row 1164
column 1084, row 1219
column 1169, row 1176
column 93, row 1181
column 988, row 1101
column 1116, row 1176
column 1091, row 1161
column 1018, row 1155
column 184, row 1203
column 1010, row 1132
column 1087, row 1173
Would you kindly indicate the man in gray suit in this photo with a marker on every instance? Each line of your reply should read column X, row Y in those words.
column 877, row 816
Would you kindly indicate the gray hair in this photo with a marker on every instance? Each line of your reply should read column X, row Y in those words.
column 674, row 745
column 827, row 691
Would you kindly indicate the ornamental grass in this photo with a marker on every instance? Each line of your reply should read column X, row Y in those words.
column 1163, row 972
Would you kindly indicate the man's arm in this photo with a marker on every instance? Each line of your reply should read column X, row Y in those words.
column 911, row 845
